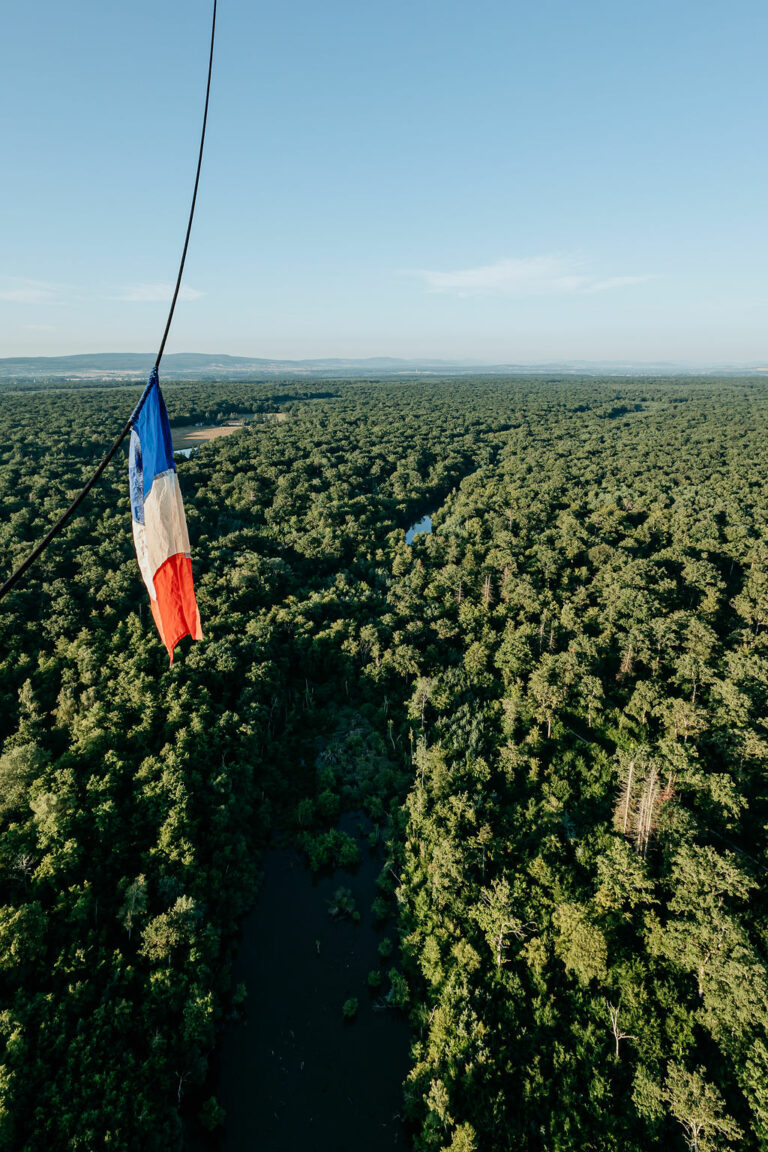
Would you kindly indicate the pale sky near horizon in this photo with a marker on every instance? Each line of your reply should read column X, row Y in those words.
column 481, row 180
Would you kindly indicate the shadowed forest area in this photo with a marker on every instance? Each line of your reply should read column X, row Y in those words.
column 548, row 716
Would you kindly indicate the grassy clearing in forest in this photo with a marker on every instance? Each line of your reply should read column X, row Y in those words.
column 193, row 437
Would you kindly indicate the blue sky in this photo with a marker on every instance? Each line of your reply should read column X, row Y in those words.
column 481, row 180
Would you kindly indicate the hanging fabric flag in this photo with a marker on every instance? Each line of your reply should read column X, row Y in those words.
column 159, row 524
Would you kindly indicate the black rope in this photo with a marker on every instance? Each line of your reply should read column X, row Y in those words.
column 57, row 527
column 194, row 196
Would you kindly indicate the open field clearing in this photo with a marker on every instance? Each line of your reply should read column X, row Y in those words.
column 191, row 436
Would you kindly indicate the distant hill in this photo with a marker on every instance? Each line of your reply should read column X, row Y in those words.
column 198, row 365
column 194, row 365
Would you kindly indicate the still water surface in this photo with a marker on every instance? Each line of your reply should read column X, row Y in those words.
column 423, row 525
column 294, row 1076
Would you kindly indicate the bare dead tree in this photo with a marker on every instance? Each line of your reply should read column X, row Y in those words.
column 618, row 1034
column 625, row 799
column 647, row 810
column 24, row 865
column 183, row 1077
column 627, row 662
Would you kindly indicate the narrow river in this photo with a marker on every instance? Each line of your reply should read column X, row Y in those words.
column 294, row 1075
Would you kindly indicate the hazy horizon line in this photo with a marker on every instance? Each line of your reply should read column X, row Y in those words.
column 468, row 361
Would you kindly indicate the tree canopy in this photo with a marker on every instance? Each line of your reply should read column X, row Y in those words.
column 552, row 709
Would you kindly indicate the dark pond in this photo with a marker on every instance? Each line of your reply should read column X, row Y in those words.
column 294, row 1076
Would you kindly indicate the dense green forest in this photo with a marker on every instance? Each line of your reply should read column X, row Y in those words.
column 552, row 709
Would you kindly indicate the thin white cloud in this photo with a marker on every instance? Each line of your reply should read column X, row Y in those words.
column 154, row 293
column 547, row 275
column 611, row 282
column 18, row 290
column 29, row 292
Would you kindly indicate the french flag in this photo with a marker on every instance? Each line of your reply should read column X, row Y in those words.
column 159, row 524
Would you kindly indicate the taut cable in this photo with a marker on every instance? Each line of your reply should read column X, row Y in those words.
column 57, row 527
